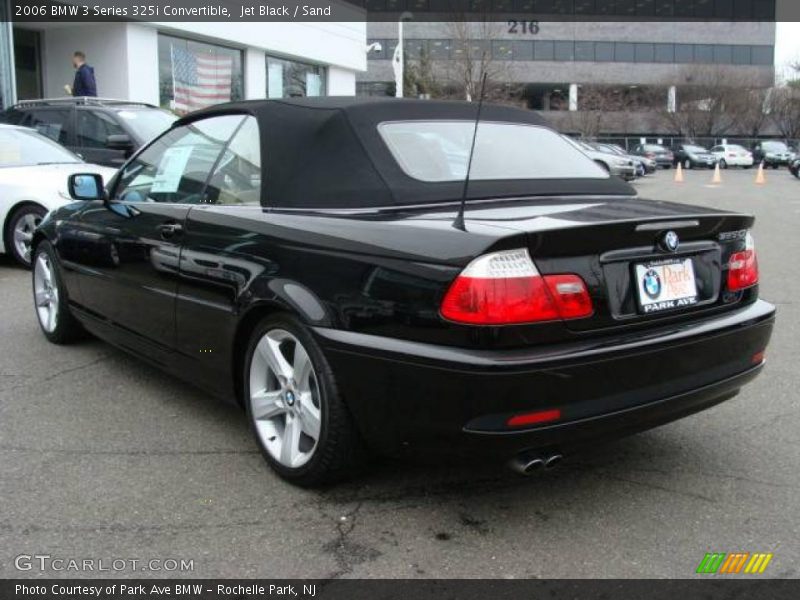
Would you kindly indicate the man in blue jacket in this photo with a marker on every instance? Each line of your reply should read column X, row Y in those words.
column 84, row 84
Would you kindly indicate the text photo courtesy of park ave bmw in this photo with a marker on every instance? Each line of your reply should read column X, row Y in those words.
column 390, row 298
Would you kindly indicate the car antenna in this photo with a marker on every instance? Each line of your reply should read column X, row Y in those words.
column 459, row 222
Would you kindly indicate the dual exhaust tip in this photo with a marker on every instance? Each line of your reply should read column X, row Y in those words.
column 527, row 464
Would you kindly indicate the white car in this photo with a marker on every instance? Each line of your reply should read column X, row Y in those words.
column 33, row 180
column 732, row 155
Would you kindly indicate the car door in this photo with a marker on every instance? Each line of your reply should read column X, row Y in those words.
column 130, row 244
column 92, row 130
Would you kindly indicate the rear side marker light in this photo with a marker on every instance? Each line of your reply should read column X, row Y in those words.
column 743, row 267
column 505, row 287
column 534, row 418
column 758, row 358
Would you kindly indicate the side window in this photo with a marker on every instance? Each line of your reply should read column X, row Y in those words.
column 237, row 178
column 94, row 129
column 51, row 123
column 176, row 166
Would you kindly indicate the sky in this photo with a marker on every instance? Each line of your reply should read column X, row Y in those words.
column 787, row 45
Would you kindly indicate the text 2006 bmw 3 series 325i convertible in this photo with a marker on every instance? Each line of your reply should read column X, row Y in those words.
column 312, row 260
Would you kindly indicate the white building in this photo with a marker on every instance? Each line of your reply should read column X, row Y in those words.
column 137, row 61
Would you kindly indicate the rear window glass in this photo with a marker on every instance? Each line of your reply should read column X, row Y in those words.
column 437, row 151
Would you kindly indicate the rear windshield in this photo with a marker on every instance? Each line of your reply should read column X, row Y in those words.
column 690, row 148
column 775, row 146
column 147, row 123
column 437, row 151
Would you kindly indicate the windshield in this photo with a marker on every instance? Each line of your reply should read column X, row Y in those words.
column 435, row 151
column 775, row 146
column 690, row 148
column 147, row 123
column 23, row 147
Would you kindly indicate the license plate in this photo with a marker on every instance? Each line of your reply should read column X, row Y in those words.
column 666, row 285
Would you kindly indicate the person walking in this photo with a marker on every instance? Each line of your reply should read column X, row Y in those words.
column 85, row 83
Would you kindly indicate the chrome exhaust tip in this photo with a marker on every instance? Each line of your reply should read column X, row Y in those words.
column 527, row 464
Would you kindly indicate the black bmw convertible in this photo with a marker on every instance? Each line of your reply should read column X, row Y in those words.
column 407, row 277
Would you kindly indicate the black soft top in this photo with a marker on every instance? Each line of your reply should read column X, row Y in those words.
column 327, row 153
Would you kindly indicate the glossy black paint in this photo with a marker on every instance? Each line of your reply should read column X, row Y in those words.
column 181, row 286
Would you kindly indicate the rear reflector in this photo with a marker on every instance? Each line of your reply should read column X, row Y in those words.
column 505, row 287
column 758, row 358
column 534, row 418
column 743, row 267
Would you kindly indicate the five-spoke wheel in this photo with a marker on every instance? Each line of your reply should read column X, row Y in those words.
column 45, row 293
column 19, row 233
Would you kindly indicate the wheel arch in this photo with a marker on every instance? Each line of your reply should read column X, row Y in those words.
column 7, row 221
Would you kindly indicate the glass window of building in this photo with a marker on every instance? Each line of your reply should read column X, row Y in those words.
column 665, row 53
column 543, row 51
column 604, row 51
column 703, row 53
column 626, row 8
column 439, row 49
column 584, row 51
column 723, row 55
column 645, row 8
column 645, row 53
column 523, row 50
column 624, row 52
column 762, row 55
column 684, row 53
column 741, row 55
column 193, row 75
column 414, row 48
column 292, row 79
column 565, row 51
column 502, row 49
column 664, row 8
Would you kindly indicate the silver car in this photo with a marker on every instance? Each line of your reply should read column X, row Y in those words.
column 620, row 166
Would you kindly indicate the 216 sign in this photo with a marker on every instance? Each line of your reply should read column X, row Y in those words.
column 523, row 27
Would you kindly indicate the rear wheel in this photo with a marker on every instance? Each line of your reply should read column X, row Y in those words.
column 723, row 164
column 50, row 298
column 19, row 231
column 300, row 422
column 687, row 164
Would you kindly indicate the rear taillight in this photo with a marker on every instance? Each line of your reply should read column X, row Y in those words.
column 743, row 267
column 505, row 287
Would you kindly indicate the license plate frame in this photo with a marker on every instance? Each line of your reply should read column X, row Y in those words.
column 665, row 285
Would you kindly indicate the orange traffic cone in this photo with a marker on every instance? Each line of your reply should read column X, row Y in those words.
column 679, row 174
column 761, row 179
column 717, row 179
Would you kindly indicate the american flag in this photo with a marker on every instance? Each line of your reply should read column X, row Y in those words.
column 199, row 79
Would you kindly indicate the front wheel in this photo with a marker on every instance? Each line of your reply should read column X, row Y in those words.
column 19, row 231
column 723, row 164
column 50, row 298
column 687, row 164
column 300, row 421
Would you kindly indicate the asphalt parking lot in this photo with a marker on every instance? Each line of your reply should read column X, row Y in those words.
column 101, row 456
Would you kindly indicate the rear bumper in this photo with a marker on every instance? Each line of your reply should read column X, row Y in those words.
column 417, row 398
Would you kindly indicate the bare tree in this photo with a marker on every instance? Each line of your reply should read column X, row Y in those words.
column 784, row 109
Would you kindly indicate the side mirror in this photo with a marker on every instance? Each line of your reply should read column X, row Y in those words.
column 86, row 186
column 119, row 141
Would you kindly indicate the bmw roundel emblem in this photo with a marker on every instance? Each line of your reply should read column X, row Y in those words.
column 652, row 284
column 670, row 241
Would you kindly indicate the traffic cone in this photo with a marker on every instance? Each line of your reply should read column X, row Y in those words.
column 679, row 174
column 717, row 179
column 761, row 179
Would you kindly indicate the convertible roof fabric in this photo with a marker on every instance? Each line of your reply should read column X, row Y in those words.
column 328, row 153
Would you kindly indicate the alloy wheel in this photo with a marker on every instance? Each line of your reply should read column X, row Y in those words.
column 285, row 400
column 45, row 293
column 23, row 234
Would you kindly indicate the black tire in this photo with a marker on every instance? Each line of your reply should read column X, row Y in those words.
column 667, row 167
column 340, row 452
column 687, row 164
column 67, row 328
column 723, row 164
column 25, row 211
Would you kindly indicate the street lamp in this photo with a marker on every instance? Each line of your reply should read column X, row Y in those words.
column 397, row 59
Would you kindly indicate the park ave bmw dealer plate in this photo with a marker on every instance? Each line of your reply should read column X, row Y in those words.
column 666, row 285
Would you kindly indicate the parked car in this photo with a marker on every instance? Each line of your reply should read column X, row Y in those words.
column 773, row 153
column 645, row 166
column 618, row 166
column 324, row 263
column 33, row 180
column 102, row 131
column 663, row 156
column 733, row 155
column 692, row 155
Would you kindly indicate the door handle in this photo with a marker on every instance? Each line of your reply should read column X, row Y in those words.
column 169, row 230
